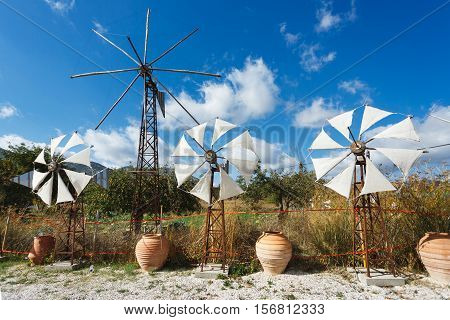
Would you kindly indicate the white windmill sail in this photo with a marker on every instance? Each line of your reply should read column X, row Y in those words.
column 183, row 149
column 202, row 189
column 220, row 128
column 74, row 141
column 54, row 143
column 245, row 167
column 45, row 192
column 63, row 192
column 402, row 158
column 228, row 188
column 79, row 180
column 40, row 158
column 38, row 177
column 343, row 181
column 342, row 122
column 198, row 133
column 81, row 157
column 402, row 130
column 244, row 141
column 185, row 171
column 374, row 180
column 25, row 179
column 324, row 141
column 370, row 117
column 324, row 165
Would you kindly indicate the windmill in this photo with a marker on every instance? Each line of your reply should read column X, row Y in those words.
column 216, row 157
column 147, row 158
column 59, row 180
column 363, row 177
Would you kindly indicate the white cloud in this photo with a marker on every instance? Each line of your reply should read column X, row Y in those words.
column 7, row 110
column 355, row 86
column 314, row 115
column 327, row 20
column 289, row 38
column 311, row 61
column 118, row 147
column 273, row 157
column 99, row 27
column 15, row 140
column 352, row 86
column 61, row 6
column 246, row 93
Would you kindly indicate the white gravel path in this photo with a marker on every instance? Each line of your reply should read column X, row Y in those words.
column 24, row 282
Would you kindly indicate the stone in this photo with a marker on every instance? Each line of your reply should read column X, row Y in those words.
column 378, row 277
column 211, row 271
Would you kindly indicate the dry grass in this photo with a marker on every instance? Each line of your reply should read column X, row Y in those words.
column 311, row 233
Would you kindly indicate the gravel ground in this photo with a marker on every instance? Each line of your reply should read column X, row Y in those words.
column 23, row 282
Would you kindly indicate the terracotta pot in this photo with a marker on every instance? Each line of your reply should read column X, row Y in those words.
column 434, row 251
column 274, row 251
column 152, row 251
column 42, row 247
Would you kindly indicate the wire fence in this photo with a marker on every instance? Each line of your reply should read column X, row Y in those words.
column 106, row 237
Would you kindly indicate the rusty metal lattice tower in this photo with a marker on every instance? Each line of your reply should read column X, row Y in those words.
column 371, row 244
column 147, row 173
column 70, row 241
column 214, row 242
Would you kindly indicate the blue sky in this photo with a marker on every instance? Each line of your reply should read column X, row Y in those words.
column 285, row 69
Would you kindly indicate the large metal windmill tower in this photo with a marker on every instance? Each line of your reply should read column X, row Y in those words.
column 147, row 169
column 362, row 176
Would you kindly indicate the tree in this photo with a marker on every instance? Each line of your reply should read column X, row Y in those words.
column 285, row 189
column 16, row 160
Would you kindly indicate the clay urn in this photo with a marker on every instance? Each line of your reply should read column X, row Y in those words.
column 434, row 251
column 152, row 251
column 43, row 246
column 274, row 251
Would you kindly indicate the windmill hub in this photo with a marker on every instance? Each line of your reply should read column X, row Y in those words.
column 358, row 147
column 53, row 166
column 211, row 156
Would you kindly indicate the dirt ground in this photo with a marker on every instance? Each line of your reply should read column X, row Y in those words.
column 20, row 281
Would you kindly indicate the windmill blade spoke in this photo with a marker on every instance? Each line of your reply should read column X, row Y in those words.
column 134, row 50
column 228, row 188
column 79, row 180
column 402, row 158
column 174, row 46
column 324, row 165
column 117, row 101
column 96, row 73
column 146, row 36
column 343, row 181
column 45, row 192
column 324, row 142
column 177, row 101
column 375, row 181
column 202, row 189
column 184, row 171
column 82, row 157
column 116, row 46
column 63, row 192
column 187, row 71
column 38, row 178
column 183, row 149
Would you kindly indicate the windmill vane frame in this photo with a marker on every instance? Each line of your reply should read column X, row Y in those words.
column 147, row 158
